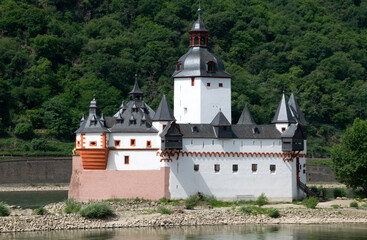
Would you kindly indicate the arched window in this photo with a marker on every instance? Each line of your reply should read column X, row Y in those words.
column 196, row 41
column 210, row 66
column 178, row 66
column 202, row 41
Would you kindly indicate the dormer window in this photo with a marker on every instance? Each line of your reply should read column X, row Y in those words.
column 195, row 129
column 255, row 130
column 210, row 66
column 178, row 66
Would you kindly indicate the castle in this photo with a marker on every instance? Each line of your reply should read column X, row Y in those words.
column 147, row 154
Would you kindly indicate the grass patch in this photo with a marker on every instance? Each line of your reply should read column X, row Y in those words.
column 262, row 200
column 335, row 206
column 4, row 210
column 254, row 210
column 72, row 206
column 166, row 201
column 364, row 205
column 116, row 200
column 97, row 210
column 41, row 211
column 310, row 202
column 163, row 210
column 319, row 162
column 209, row 200
column 353, row 205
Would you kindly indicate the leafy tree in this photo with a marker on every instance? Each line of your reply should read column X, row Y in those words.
column 24, row 130
column 349, row 157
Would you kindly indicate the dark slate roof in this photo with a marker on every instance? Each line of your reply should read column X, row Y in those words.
column 246, row 117
column 136, row 90
column 199, row 26
column 241, row 131
column 283, row 113
column 134, row 121
column 293, row 131
column 88, row 127
column 296, row 110
column 194, row 63
column 220, row 120
column 172, row 129
column 164, row 112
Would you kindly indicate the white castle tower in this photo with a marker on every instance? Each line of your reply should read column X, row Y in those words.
column 202, row 88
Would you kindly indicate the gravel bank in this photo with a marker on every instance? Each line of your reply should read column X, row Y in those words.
column 143, row 214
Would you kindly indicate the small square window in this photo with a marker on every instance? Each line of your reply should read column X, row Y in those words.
column 283, row 129
column 126, row 159
column 92, row 143
column 272, row 168
column 216, row 167
column 117, row 143
column 192, row 81
column 235, row 168
column 149, row 144
column 196, row 167
column 132, row 142
column 220, row 85
column 254, row 168
column 208, row 84
column 164, row 126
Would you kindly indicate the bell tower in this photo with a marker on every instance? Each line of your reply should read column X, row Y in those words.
column 202, row 87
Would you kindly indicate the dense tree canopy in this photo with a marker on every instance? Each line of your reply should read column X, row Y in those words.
column 349, row 157
column 61, row 52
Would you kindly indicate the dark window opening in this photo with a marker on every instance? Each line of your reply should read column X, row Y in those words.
column 254, row 168
column 192, row 81
column 272, row 168
column 210, row 66
column 178, row 66
column 196, row 40
column 126, row 159
column 132, row 142
column 196, row 167
column 93, row 143
column 235, row 167
column 283, row 129
column 117, row 143
column 208, row 84
column 149, row 144
column 202, row 41
column 220, row 84
column 164, row 126
column 216, row 167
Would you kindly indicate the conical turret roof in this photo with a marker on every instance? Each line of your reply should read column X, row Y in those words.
column 296, row 110
column 220, row 120
column 246, row 117
column 136, row 90
column 164, row 112
column 283, row 113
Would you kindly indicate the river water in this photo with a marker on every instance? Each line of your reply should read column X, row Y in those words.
column 248, row 232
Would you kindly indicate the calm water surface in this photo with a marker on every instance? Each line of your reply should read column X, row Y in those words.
column 248, row 232
column 33, row 199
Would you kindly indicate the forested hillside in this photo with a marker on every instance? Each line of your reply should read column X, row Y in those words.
column 54, row 54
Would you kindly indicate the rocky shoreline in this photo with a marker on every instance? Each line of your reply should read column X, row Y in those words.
column 131, row 214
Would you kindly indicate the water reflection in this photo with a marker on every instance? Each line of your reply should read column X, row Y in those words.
column 33, row 199
column 248, row 232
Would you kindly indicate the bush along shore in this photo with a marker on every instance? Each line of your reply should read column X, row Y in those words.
column 196, row 210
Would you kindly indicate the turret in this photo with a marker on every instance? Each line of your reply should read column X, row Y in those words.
column 283, row 116
column 222, row 127
column 163, row 115
column 246, row 117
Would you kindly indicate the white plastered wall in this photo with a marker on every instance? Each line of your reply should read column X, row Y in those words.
column 93, row 137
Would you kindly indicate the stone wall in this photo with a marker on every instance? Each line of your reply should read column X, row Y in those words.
column 35, row 170
column 320, row 174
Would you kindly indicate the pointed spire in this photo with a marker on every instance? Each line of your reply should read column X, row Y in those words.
column 199, row 10
column 199, row 24
column 220, row 120
column 283, row 113
column 102, row 118
column 136, row 90
column 122, row 104
column 164, row 112
column 246, row 117
column 296, row 110
column 82, row 120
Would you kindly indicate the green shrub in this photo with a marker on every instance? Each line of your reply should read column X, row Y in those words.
column 41, row 211
column 340, row 192
column 163, row 210
column 4, row 210
column 310, row 202
column 39, row 144
column 353, row 205
column 335, row 206
column 24, row 130
column 315, row 190
column 273, row 213
column 364, row 205
column 246, row 209
column 192, row 201
column 96, row 210
column 72, row 206
column 164, row 200
column 262, row 200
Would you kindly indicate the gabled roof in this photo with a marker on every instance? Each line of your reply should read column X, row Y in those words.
column 296, row 110
column 164, row 112
column 172, row 129
column 246, row 117
column 293, row 131
column 283, row 113
column 220, row 120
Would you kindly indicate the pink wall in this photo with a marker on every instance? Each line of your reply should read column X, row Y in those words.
column 106, row 184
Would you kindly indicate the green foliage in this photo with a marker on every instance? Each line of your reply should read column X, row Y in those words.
column 349, row 158
column 310, row 202
column 192, row 201
column 4, row 210
column 353, row 205
column 24, row 130
column 72, row 206
column 273, row 213
column 96, row 210
column 39, row 144
column 262, row 200
column 335, row 206
column 339, row 192
column 163, row 210
column 41, row 211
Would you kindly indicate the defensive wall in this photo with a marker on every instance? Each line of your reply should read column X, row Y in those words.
column 43, row 170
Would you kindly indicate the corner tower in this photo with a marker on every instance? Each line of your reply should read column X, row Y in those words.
column 202, row 88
